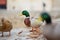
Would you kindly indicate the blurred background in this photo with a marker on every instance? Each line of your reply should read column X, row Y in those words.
column 10, row 9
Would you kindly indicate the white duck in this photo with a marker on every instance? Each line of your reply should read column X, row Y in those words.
column 50, row 30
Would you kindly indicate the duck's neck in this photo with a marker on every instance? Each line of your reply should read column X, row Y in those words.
column 48, row 23
column 27, row 17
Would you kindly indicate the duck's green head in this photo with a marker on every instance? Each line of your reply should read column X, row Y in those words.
column 26, row 13
column 46, row 17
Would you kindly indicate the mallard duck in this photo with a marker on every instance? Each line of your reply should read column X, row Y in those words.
column 34, row 22
column 51, row 30
column 6, row 26
column 27, row 19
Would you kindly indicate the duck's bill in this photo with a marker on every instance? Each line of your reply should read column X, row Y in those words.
column 21, row 14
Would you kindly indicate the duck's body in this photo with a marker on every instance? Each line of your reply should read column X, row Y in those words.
column 6, row 26
column 36, row 22
column 51, row 30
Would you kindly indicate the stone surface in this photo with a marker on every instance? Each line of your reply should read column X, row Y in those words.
column 22, row 36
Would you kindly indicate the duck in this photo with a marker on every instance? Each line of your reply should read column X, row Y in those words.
column 6, row 26
column 33, row 22
column 27, row 19
column 50, row 29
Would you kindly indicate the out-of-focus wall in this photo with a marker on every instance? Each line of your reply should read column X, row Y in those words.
column 31, row 5
column 55, row 12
